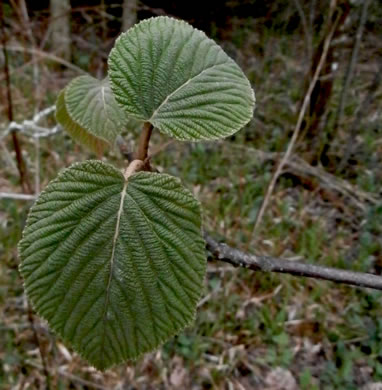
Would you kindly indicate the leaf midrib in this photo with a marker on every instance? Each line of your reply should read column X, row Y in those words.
column 180, row 87
column 115, row 239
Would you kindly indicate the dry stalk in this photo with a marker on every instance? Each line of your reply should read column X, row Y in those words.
column 294, row 136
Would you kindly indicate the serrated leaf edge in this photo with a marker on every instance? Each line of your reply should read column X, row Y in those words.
column 96, row 145
column 75, row 80
column 151, row 119
column 162, row 340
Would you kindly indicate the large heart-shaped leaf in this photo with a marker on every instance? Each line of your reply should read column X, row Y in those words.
column 77, row 132
column 168, row 73
column 115, row 265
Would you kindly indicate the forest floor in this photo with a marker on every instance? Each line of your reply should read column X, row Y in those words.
column 252, row 330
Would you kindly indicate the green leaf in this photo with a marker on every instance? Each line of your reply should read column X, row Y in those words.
column 115, row 265
column 77, row 132
column 168, row 73
column 90, row 105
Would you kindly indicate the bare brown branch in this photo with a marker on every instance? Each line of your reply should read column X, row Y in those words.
column 16, row 144
column 237, row 258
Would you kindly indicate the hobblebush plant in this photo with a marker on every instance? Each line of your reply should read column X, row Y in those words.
column 115, row 261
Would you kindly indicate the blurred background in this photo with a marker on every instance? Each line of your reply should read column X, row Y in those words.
column 253, row 330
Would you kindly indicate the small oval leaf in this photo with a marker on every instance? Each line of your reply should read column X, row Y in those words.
column 92, row 106
column 168, row 73
column 77, row 132
column 115, row 266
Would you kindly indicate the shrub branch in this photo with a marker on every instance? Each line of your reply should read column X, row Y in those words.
column 237, row 258
column 221, row 251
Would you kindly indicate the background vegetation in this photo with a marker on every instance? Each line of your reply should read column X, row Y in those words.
column 253, row 330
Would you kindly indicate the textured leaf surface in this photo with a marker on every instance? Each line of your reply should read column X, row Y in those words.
column 168, row 73
column 87, row 109
column 91, row 104
column 116, row 267
column 77, row 132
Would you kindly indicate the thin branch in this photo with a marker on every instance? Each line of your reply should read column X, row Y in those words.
column 26, row 24
column 360, row 112
column 352, row 194
column 129, row 14
column 12, row 195
column 31, row 127
column 37, row 180
column 22, row 172
column 306, row 30
column 154, row 11
column 39, row 346
column 160, row 148
column 52, row 57
column 62, row 372
column 7, row 157
column 16, row 144
column 312, row 8
column 143, row 143
column 352, row 62
column 36, row 84
column 237, row 258
column 295, row 132
column 43, row 113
